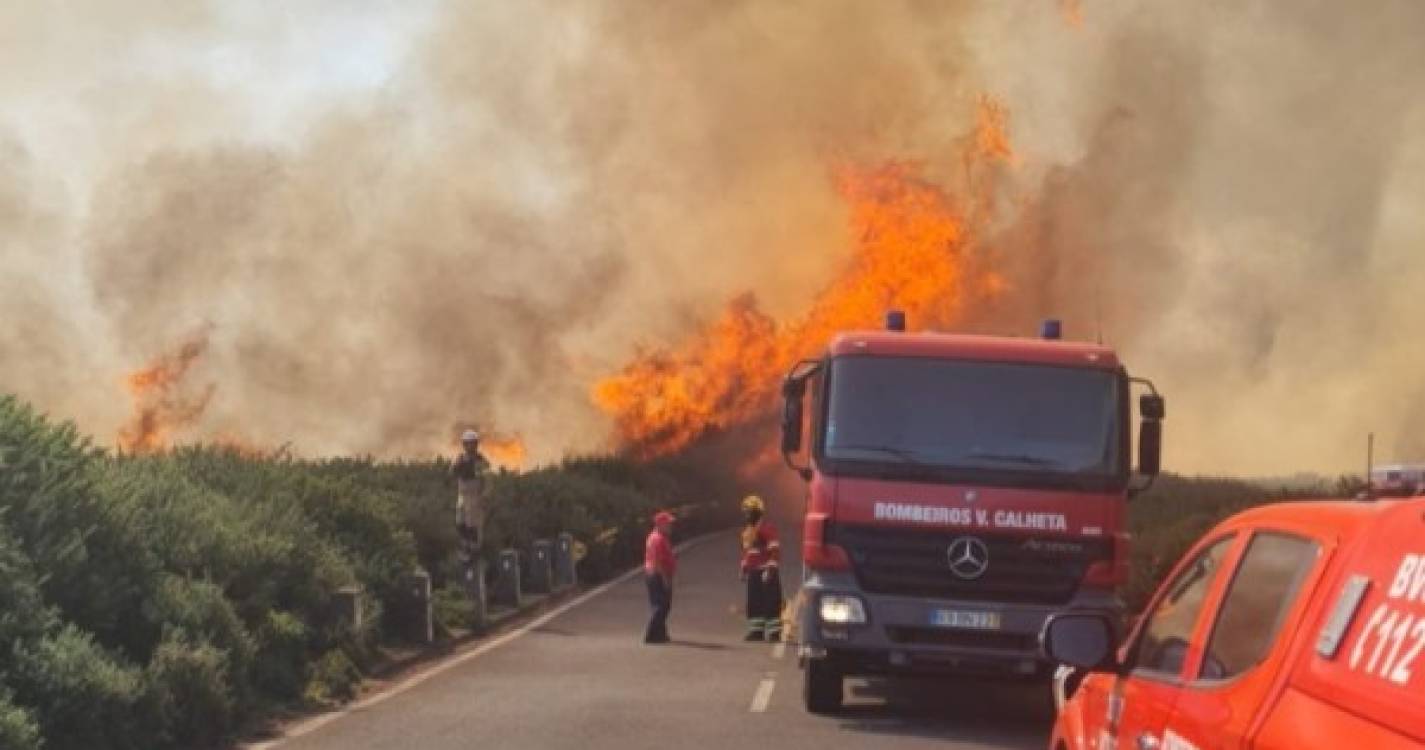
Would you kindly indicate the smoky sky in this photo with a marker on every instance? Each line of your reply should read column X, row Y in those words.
column 520, row 195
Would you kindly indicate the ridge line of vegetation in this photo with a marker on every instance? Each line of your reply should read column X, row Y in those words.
column 177, row 600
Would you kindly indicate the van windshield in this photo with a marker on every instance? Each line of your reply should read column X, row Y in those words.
column 1000, row 418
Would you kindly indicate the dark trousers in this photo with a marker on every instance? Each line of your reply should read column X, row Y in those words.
column 764, row 603
column 660, row 598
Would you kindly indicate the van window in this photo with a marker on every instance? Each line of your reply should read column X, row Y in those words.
column 1265, row 586
column 1164, row 645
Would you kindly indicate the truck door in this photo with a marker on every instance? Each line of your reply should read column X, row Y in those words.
column 1248, row 639
column 1142, row 701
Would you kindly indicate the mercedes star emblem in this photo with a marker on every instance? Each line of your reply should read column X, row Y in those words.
column 969, row 557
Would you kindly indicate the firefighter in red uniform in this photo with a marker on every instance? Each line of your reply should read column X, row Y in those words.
column 659, row 565
column 761, row 554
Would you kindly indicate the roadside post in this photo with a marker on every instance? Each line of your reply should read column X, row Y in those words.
column 421, row 617
column 473, row 573
column 507, row 579
column 564, row 574
column 541, row 567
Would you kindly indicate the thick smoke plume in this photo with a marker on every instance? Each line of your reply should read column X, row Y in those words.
column 1242, row 219
column 427, row 215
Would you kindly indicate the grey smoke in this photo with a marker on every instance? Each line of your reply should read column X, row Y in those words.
column 535, row 189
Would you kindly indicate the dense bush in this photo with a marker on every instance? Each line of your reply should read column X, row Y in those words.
column 187, row 594
column 335, row 678
column 190, row 694
column 280, row 668
column 18, row 730
column 83, row 696
column 49, row 503
column 24, row 616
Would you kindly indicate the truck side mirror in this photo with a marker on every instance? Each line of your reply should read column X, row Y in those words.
column 1086, row 640
column 1152, row 406
column 793, row 391
column 1150, row 447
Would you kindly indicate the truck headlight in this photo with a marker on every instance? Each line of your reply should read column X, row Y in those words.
column 839, row 609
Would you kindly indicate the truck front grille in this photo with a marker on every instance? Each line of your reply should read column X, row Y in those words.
column 913, row 562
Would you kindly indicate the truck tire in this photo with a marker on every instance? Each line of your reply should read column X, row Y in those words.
column 821, row 686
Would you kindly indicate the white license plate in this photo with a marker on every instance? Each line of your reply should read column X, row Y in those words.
column 959, row 618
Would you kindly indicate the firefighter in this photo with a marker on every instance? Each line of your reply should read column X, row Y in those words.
column 660, row 563
column 761, row 556
column 470, row 471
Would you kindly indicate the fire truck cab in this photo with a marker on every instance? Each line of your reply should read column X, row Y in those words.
column 960, row 489
column 1297, row 625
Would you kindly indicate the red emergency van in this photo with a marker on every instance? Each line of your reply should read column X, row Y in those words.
column 1296, row 625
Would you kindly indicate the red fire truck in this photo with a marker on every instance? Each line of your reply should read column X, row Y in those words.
column 960, row 489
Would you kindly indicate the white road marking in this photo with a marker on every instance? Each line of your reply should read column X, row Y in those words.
column 763, row 696
column 313, row 724
column 779, row 650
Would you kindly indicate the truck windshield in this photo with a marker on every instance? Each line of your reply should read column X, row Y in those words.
column 978, row 417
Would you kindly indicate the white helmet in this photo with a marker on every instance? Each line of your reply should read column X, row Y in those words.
column 470, row 436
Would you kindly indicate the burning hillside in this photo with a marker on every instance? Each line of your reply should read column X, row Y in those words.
column 915, row 250
column 169, row 409
column 481, row 220
column 161, row 403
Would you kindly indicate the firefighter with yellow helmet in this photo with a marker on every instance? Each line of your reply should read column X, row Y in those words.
column 761, row 557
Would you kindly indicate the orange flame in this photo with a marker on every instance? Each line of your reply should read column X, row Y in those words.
column 913, row 253
column 506, row 451
column 1073, row 11
column 991, row 133
column 160, row 404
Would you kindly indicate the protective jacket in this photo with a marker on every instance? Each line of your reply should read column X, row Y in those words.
column 761, row 548
column 471, row 475
column 761, row 562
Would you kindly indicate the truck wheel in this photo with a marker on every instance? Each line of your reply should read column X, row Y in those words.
column 821, row 686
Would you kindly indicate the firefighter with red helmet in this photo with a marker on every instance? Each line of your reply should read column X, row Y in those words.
column 761, row 556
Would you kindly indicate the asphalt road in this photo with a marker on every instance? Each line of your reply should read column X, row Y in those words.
column 582, row 679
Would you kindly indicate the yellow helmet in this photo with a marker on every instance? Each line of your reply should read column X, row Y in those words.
column 752, row 502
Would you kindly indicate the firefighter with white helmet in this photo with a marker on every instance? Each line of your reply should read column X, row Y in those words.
column 761, row 558
column 471, row 472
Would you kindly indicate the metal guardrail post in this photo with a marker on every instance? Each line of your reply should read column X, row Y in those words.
column 472, row 570
column 422, row 615
column 564, row 573
column 348, row 608
column 541, row 567
column 507, row 579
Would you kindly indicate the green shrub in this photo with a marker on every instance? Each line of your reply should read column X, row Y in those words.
column 83, row 697
column 280, row 667
column 18, row 730
column 190, row 695
column 335, row 678
column 610, row 519
column 218, row 571
column 189, row 610
column 95, row 569
column 425, row 494
column 453, row 609
column 24, row 617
